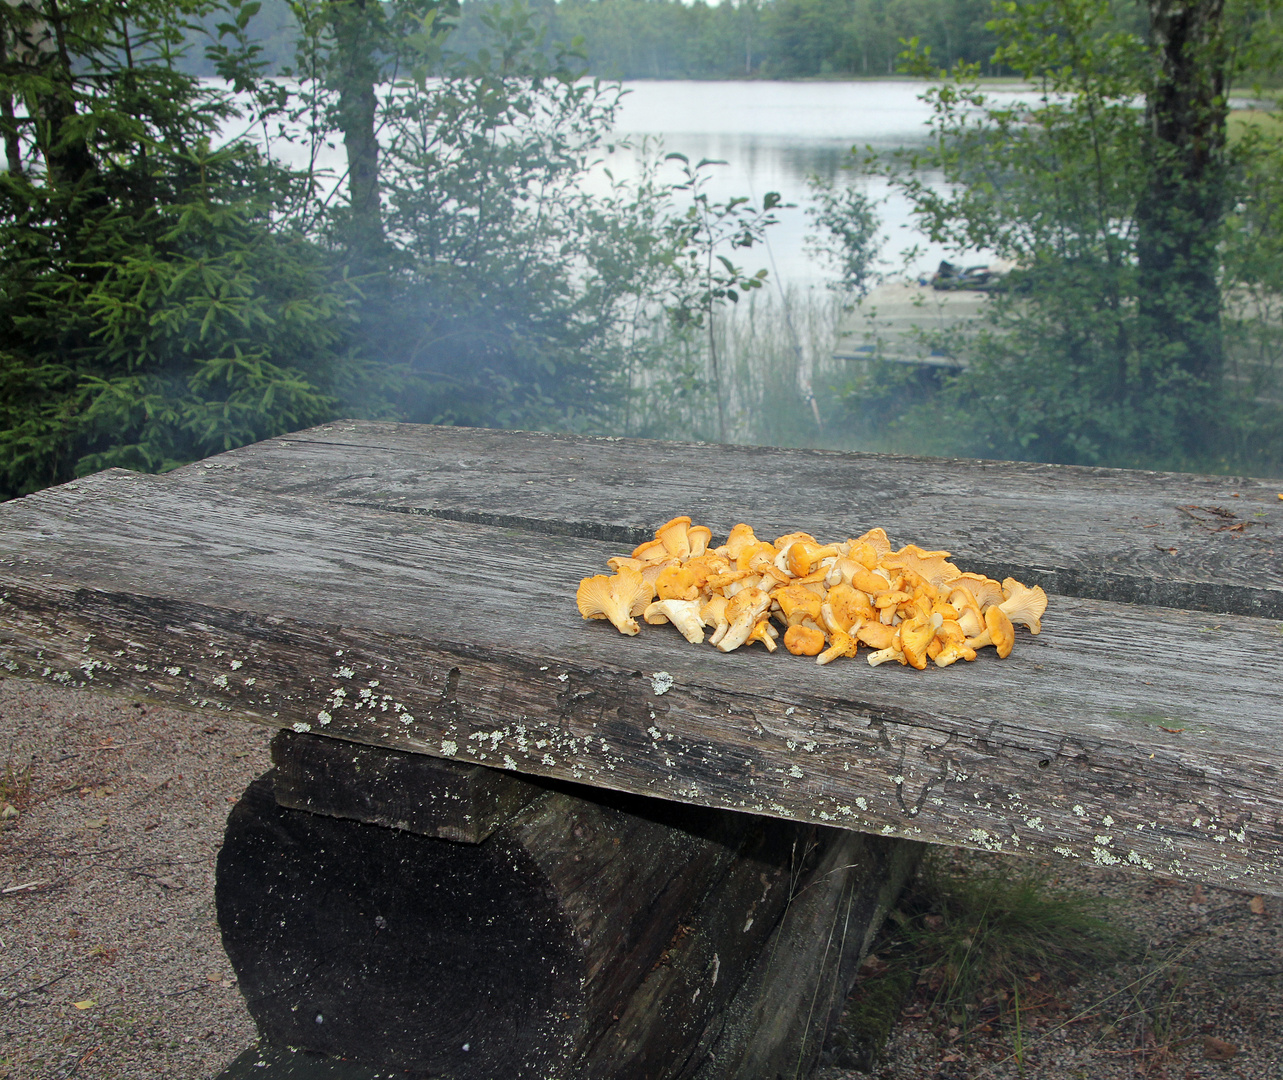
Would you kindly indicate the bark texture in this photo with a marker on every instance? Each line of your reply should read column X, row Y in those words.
column 1181, row 214
column 590, row 935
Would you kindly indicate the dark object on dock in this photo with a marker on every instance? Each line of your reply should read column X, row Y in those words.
column 951, row 277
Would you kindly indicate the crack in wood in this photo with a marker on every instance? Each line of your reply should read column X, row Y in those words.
column 941, row 776
column 583, row 530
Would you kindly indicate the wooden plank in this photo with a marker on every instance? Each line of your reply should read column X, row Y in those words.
column 1123, row 734
column 783, row 1017
column 1108, row 534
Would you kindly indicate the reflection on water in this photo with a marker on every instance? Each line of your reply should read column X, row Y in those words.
column 882, row 112
column 772, row 136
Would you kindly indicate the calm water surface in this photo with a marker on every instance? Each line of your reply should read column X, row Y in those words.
column 772, row 136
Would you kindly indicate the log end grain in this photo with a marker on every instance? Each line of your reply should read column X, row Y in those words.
column 344, row 935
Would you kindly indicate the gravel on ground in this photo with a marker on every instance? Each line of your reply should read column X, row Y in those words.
column 110, row 959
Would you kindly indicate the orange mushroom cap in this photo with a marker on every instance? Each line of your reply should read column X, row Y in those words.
column 1024, row 605
column 617, row 598
column 998, row 632
column 804, row 640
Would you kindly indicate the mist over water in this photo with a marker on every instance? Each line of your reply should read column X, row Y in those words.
column 772, row 136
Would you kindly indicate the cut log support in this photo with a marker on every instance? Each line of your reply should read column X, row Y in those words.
column 792, row 999
column 393, row 788
column 596, row 937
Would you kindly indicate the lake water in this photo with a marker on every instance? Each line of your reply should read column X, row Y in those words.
column 772, row 136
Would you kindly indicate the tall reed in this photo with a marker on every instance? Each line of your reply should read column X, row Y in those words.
column 781, row 385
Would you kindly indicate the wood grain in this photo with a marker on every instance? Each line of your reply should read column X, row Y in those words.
column 1129, row 735
column 787, row 1010
column 1107, row 534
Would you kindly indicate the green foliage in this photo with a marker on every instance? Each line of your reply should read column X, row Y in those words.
column 511, row 294
column 707, row 279
column 159, row 310
column 172, row 298
column 848, row 240
column 670, row 39
column 976, row 929
column 1253, row 262
column 776, row 355
column 971, row 938
column 1083, row 358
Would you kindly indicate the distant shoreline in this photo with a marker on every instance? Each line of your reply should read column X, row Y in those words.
column 1006, row 82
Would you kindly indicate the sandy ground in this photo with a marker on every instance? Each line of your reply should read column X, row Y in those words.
column 110, row 960
column 111, row 965
column 1201, row 997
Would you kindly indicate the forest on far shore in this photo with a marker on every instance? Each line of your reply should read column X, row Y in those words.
column 759, row 39
column 169, row 291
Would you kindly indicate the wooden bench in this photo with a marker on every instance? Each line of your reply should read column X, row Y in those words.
column 501, row 840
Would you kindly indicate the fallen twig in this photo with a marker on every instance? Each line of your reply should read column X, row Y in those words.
column 23, row 887
column 83, row 1058
column 150, row 792
column 190, row 989
column 22, row 967
column 36, row 989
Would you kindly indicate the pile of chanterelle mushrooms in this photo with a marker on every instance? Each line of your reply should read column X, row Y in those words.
column 829, row 599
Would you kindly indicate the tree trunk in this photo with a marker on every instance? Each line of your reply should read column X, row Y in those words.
column 8, row 120
column 357, row 70
column 40, row 48
column 1183, row 207
column 498, row 925
column 598, row 938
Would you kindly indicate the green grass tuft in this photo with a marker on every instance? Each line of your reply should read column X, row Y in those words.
column 977, row 932
column 974, row 940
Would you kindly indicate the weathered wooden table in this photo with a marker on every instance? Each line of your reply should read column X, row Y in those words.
column 399, row 601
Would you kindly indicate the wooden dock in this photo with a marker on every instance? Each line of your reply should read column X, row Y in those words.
column 904, row 322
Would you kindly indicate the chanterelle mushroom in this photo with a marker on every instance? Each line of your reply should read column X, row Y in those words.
column 804, row 640
column 998, row 632
column 741, row 536
column 675, row 536
column 616, row 598
column 1024, row 605
column 683, row 614
column 910, row 605
column 985, row 590
column 713, row 612
column 840, row 645
column 916, row 636
column 932, row 566
column 797, row 602
column 676, row 582
column 742, row 612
